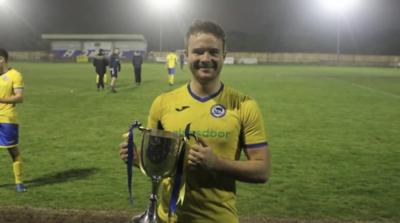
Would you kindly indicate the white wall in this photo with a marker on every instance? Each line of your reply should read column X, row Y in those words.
column 66, row 45
column 130, row 45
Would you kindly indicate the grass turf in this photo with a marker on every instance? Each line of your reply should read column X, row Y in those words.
column 333, row 132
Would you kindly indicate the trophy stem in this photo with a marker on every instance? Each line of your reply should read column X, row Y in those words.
column 155, row 181
column 150, row 215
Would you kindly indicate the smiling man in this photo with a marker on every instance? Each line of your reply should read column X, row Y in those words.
column 227, row 123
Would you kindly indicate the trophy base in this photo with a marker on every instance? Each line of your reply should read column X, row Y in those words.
column 144, row 218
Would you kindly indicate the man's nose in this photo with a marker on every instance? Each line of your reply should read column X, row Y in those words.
column 205, row 56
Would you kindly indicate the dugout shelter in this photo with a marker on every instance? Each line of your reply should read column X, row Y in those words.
column 71, row 46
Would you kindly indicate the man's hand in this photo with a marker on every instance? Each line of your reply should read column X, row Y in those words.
column 202, row 156
column 123, row 153
column 256, row 169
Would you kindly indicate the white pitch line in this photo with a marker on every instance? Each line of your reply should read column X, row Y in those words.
column 367, row 88
column 376, row 91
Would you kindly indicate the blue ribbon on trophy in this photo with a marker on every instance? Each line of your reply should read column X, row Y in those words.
column 179, row 172
column 129, row 163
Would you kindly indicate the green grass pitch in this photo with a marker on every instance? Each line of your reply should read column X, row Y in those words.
column 334, row 133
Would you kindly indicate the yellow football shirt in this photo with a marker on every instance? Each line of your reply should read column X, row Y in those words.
column 228, row 121
column 171, row 60
column 9, row 81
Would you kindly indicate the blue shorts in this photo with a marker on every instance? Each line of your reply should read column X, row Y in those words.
column 8, row 135
column 171, row 70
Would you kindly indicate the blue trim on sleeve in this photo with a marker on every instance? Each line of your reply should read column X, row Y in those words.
column 254, row 146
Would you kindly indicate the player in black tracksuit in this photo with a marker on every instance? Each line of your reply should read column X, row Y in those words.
column 137, row 61
column 101, row 63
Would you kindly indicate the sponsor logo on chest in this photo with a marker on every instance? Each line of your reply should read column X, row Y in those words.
column 5, row 78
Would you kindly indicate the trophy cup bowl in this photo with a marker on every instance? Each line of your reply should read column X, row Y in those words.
column 159, row 153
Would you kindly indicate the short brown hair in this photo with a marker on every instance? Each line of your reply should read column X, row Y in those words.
column 4, row 54
column 210, row 27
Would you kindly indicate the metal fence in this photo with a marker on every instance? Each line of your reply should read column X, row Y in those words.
column 258, row 58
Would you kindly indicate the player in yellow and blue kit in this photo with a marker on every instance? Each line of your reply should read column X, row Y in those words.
column 171, row 61
column 227, row 123
column 11, row 93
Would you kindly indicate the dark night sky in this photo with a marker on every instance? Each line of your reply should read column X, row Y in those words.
column 251, row 25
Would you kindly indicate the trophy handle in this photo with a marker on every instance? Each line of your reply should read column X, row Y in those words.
column 131, row 152
column 188, row 134
column 139, row 150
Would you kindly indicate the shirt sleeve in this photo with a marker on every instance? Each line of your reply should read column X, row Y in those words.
column 18, row 81
column 253, row 130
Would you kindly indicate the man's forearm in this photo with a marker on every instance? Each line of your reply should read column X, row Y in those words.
column 12, row 99
column 251, row 171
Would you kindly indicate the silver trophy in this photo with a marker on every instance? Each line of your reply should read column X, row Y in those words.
column 159, row 154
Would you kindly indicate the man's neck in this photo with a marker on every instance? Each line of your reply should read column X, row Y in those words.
column 205, row 89
column 4, row 69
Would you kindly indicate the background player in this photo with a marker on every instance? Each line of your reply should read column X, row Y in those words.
column 137, row 61
column 11, row 93
column 101, row 63
column 115, row 67
column 171, row 61
column 181, row 59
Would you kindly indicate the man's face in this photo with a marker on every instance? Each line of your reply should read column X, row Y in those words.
column 205, row 56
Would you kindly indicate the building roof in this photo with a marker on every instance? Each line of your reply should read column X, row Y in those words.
column 60, row 36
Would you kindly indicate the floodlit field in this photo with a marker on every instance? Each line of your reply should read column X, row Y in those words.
column 334, row 133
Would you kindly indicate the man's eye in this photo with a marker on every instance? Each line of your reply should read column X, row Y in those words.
column 214, row 52
column 198, row 52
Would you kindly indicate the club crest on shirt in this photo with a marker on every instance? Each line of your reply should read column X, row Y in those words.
column 5, row 78
column 218, row 111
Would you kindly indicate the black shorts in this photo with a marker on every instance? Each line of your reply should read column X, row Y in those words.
column 114, row 72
